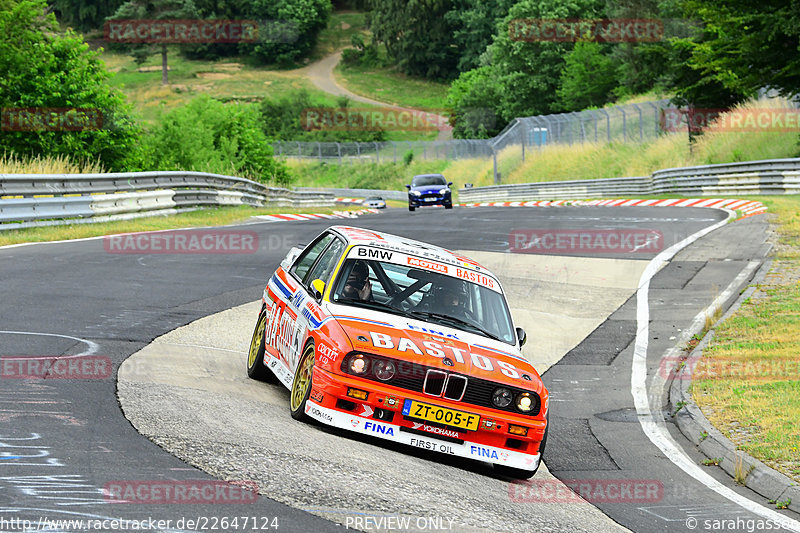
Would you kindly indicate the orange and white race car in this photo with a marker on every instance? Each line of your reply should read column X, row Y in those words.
column 404, row 341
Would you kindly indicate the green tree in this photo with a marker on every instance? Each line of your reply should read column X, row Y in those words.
column 84, row 15
column 289, row 29
column 209, row 136
column 155, row 10
column 417, row 34
column 475, row 23
column 748, row 45
column 524, row 68
column 469, row 99
column 43, row 69
column 588, row 77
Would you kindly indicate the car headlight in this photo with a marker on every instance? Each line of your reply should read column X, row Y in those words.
column 525, row 402
column 415, row 193
column 384, row 370
column 502, row 397
column 358, row 364
column 444, row 191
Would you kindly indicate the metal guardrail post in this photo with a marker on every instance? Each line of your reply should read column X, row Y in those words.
column 377, row 153
column 608, row 124
column 655, row 117
column 641, row 126
column 339, row 151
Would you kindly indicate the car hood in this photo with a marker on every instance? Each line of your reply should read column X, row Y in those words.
column 434, row 345
column 427, row 189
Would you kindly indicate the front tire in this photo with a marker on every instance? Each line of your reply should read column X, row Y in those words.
column 411, row 208
column 302, row 384
column 255, row 357
column 448, row 206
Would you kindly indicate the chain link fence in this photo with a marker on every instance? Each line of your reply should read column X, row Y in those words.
column 631, row 123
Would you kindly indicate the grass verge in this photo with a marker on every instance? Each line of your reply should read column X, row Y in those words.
column 386, row 84
column 218, row 216
column 226, row 80
column 755, row 354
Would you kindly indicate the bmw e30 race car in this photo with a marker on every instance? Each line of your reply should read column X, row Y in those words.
column 404, row 341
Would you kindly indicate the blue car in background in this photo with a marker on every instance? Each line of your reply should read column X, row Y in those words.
column 429, row 189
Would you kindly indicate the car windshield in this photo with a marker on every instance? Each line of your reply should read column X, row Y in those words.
column 426, row 295
column 433, row 179
column 374, row 199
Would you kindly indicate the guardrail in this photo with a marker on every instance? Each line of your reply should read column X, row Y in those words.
column 41, row 199
column 774, row 176
column 358, row 193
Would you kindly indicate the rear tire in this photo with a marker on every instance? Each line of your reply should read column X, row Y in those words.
column 302, row 384
column 255, row 357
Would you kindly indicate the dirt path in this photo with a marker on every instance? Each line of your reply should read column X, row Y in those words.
column 322, row 76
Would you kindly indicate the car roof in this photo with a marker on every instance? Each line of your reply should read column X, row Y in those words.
column 379, row 239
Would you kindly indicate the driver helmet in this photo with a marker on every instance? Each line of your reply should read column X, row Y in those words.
column 356, row 279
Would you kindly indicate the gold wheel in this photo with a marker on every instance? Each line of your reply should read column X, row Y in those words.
column 301, row 388
column 255, row 357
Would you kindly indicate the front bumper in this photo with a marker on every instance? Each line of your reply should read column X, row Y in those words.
column 429, row 199
column 330, row 405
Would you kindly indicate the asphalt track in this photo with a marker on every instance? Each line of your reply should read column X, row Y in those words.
column 62, row 441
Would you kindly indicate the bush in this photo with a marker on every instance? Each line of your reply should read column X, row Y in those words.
column 209, row 136
column 362, row 54
column 43, row 69
column 294, row 28
column 473, row 98
column 588, row 77
column 287, row 119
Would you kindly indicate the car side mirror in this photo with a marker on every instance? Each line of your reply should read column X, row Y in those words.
column 317, row 288
column 522, row 336
column 408, row 187
column 449, row 183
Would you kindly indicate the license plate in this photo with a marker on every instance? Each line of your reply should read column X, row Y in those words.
column 441, row 415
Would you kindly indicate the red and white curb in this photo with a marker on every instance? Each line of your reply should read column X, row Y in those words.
column 348, row 200
column 315, row 216
column 748, row 207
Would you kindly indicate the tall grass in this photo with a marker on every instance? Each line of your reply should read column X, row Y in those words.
column 13, row 164
column 595, row 160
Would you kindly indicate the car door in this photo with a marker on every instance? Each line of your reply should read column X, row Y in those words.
column 282, row 321
column 303, row 306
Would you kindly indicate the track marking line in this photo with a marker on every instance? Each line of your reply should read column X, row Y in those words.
column 653, row 425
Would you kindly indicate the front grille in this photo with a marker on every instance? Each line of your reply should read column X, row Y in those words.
column 475, row 391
